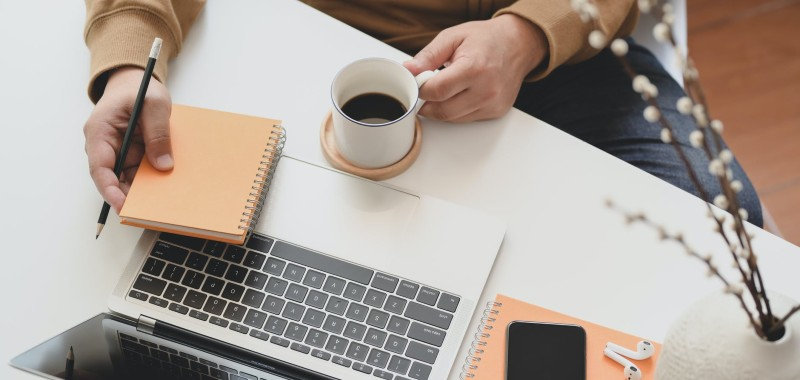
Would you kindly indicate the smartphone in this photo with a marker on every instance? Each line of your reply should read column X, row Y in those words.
column 545, row 351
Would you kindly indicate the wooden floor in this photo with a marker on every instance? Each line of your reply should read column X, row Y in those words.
column 748, row 54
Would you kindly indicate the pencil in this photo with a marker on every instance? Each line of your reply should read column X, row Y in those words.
column 70, row 364
column 126, row 141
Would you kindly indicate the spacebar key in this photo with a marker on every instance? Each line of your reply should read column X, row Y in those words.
column 321, row 262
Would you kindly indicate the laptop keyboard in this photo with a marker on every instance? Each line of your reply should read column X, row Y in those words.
column 333, row 310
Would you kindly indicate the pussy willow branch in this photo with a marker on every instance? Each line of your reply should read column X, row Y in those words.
column 783, row 320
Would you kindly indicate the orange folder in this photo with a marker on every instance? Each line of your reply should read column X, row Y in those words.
column 491, row 363
column 221, row 160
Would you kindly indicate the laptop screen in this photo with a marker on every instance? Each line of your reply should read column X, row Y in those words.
column 108, row 347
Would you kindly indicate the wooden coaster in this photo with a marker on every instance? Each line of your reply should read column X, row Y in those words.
column 336, row 159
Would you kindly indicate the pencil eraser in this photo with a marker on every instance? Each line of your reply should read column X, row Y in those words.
column 156, row 48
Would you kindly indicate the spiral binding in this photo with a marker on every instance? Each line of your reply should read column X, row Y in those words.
column 263, row 178
column 475, row 351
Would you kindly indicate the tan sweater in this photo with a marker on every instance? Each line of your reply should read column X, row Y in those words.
column 119, row 32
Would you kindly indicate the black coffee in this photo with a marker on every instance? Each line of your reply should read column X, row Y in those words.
column 374, row 108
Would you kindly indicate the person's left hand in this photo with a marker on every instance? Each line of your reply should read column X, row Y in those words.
column 486, row 62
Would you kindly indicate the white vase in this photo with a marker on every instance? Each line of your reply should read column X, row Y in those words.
column 713, row 340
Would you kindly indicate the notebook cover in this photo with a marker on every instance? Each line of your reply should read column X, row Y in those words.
column 598, row 366
column 217, row 158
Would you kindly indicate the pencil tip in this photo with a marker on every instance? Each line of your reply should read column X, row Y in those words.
column 99, row 229
column 71, row 354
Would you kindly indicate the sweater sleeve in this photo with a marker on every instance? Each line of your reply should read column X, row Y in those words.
column 566, row 34
column 120, row 33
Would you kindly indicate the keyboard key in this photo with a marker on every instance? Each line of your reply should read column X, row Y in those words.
column 276, row 286
column 355, row 292
column 234, row 253
column 334, row 324
column 218, row 373
column 342, row 361
column 382, row 374
column 357, row 312
column 427, row 334
column 357, row 351
column 169, row 252
column 159, row 354
column 259, row 243
column 213, row 285
column 279, row 341
column 316, row 299
column 395, row 304
column 186, row 241
column 173, row 273
column 375, row 298
column 385, row 282
column 198, row 315
column 179, row 361
column 178, row 308
column 273, row 305
column 275, row 325
column 422, row 352
column 235, row 312
column 375, row 337
column 407, row 289
column 428, row 296
column 199, row 367
column 314, row 318
column 296, row 292
column 320, row 354
column 253, row 298
column 218, row 321
column 195, row 299
column 396, row 344
column 448, row 302
column 294, row 272
column 300, row 348
column 428, row 315
column 259, row 334
column 233, row 292
column 399, row 365
column 296, row 331
column 248, row 376
column 160, row 302
column 378, row 318
column 293, row 311
column 255, row 318
column 208, row 363
column 256, row 280
column 175, row 293
column 215, row 306
column 274, row 266
column 322, row 262
column 153, row 266
column 214, row 248
column 335, row 285
column 138, row 295
column 337, row 344
column 236, row 273
column 254, row 260
column 419, row 371
column 193, row 279
column 355, row 330
column 196, row 261
column 314, row 279
column 362, row 368
column 378, row 358
column 216, row 267
column 239, row 328
column 336, row 305
column 316, row 338
column 150, row 284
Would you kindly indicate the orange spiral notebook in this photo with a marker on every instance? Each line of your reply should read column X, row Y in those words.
column 223, row 166
column 487, row 359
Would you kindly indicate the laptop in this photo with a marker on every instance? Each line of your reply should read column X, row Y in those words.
column 342, row 278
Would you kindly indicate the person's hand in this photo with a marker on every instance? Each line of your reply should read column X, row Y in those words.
column 106, row 127
column 486, row 62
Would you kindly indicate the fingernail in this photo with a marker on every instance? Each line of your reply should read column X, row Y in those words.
column 164, row 161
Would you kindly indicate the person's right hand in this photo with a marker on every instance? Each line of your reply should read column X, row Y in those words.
column 106, row 127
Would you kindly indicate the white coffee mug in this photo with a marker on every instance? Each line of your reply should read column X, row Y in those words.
column 375, row 143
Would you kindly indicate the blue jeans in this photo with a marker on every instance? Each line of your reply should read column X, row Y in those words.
column 594, row 101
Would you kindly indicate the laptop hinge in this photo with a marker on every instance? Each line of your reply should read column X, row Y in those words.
column 146, row 324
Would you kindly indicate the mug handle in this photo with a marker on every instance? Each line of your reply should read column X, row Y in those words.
column 421, row 79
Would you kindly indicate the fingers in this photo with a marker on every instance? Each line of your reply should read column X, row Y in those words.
column 154, row 122
column 101, row 163
column 436, row 53
column 454, row 108
column 448, row 82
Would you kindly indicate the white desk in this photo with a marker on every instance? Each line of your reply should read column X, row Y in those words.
column 563, row 249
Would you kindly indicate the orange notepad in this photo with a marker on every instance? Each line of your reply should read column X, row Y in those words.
column 216, row 189
column 491, row 363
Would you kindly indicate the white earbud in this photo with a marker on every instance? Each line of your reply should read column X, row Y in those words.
column 631, row 371
column 644, row 350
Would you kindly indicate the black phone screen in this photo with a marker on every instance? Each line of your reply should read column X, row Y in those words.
column 544, row 351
